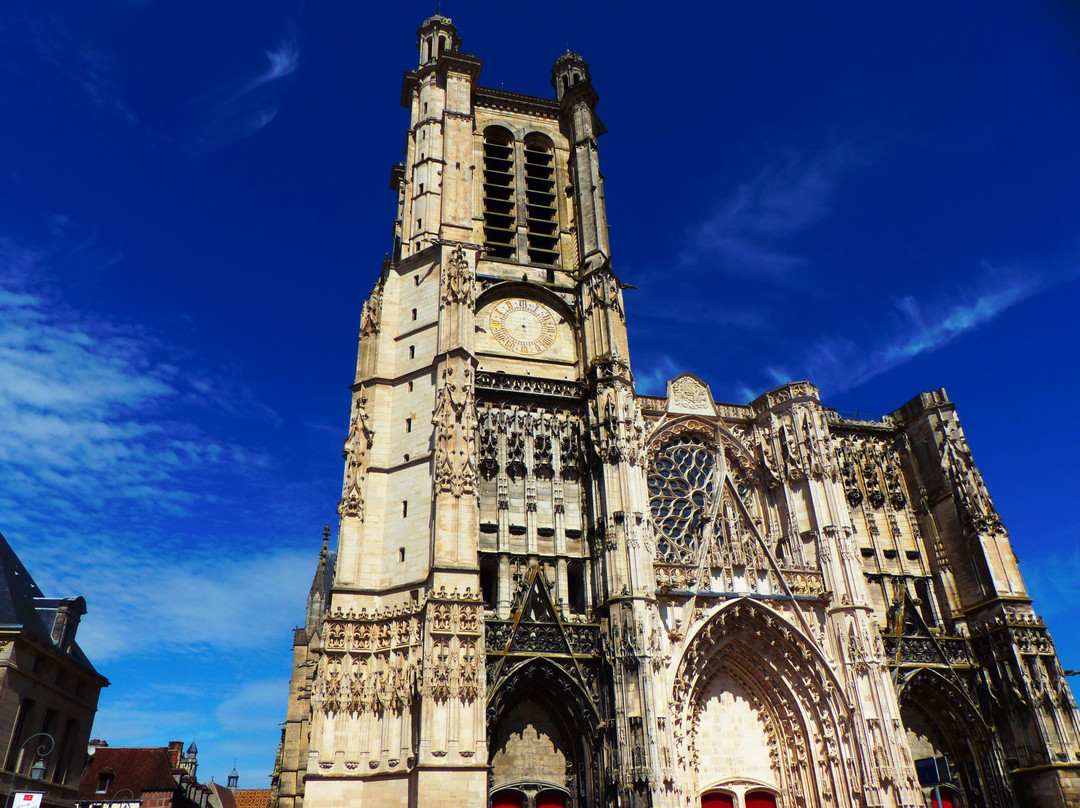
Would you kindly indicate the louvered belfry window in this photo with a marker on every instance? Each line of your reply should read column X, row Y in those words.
column 500, row 218
column 519, row 189
column 541, row 215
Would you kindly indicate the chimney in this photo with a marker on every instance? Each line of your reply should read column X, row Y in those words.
column 66, row 622
column 176, row 749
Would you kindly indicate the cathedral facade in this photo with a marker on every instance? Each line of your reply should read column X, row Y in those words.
column 552, row 591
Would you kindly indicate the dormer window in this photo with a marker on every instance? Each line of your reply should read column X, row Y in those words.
column 104, row 782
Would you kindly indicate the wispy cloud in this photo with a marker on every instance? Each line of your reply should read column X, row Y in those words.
column 918, row 326
column 202, row 601
column 239, row 720
column 243, row 108
column 101, row 444
column 650, row 377
column 750, row 230
column 284, row 59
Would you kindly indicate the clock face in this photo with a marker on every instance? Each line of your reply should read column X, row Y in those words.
column 523, row 326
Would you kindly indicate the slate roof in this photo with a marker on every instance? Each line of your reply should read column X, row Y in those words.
column 17, row 594
column 23, row 606
column 252, row 797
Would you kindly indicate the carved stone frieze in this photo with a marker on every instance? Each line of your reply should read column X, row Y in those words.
column 926, row 650
column 804, row 582
column 545, row 638
column 1023, row 631
column 528, row 384
column 652, row 403
column 454, row 661
column 368, row 662
column 454, row 612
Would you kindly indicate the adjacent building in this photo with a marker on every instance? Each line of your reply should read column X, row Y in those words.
column 143, row 777
column 551, row 590
column 48, row 688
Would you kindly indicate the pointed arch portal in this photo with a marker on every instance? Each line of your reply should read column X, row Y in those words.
column 952, row 745
column 761, row 713
column 544, row 737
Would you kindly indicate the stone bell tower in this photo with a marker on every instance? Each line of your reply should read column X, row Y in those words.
column 479, row 637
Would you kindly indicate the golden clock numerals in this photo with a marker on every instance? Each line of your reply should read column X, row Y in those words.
column 523, row 326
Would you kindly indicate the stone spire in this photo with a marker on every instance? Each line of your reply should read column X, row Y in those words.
column 317, row 593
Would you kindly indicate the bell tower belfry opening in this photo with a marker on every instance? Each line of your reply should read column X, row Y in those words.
column 552, row 591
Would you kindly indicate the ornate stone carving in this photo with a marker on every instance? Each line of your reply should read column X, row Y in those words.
column 601, row 290
column 869, row 469
column 973, row 500
column 455, row 433
column 372, row 312
column 527, row 384
column 805, row 720
column 687, row 394
column 357, row 445
column 454, row 661
column 784, row 394
column 618, row 429
column 926, row 650
column 459, row 280
column 793, row 442
column 369, row 662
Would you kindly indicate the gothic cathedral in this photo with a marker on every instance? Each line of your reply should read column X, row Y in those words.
column 551, row 591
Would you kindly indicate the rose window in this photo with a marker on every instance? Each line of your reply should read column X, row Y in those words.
column 680, row 486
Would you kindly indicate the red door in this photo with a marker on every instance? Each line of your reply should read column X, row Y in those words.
column 760, row 799
column 946, row 800
column 717, row 801
column 551, row 799
column 508, row 799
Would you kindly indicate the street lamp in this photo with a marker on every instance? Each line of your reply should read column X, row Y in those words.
column 37, row 770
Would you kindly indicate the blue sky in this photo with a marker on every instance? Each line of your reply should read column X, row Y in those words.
column 881, row 197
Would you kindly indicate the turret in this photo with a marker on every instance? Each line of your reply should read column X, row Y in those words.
column 577, row 101
column 434, row 182
column 190, row 759
column 436, row 36
column 570, row 70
